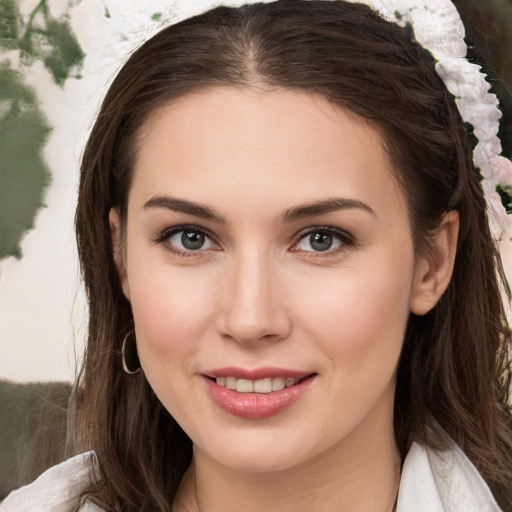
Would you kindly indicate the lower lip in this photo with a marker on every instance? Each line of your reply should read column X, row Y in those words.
column 256, row 405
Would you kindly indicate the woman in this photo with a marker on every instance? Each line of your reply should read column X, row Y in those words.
column 294, row 294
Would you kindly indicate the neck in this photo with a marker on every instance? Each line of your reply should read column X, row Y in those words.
column 361, row 473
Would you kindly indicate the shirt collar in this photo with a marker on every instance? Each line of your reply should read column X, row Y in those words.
column 442, row 481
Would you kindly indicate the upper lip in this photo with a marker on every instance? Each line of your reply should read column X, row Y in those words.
column 265, row 372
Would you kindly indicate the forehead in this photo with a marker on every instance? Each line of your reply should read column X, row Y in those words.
column 222, row 143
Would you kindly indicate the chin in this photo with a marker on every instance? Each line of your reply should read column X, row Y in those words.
column 258, row 462
column 271, row 452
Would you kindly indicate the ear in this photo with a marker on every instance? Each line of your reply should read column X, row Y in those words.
column 117, row 249
column 434, row 271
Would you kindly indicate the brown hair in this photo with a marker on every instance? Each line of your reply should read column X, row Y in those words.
column 453, row 372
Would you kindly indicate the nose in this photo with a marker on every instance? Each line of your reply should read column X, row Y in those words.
column 253, row 301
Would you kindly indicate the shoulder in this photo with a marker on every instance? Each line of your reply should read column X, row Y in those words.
column 57, row 489
column 434, row 480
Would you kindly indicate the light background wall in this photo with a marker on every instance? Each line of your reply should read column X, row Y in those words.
column 42, row 306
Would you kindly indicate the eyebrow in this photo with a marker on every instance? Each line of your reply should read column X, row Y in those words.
column 290, row 215
column 183, row 206
column 323, row 207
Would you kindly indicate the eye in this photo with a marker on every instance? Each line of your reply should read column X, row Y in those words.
column 186, row 239
column 323, row 240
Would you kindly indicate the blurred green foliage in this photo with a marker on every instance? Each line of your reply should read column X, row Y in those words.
column 24, row 175
column 10, row 24
column 51, row 41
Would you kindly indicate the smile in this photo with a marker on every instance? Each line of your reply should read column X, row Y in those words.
column 257, row 386
column 259, row 397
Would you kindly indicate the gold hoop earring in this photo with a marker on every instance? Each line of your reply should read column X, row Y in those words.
column 129, row 355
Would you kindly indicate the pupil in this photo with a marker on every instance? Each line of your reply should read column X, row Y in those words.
column 321, row 241
column 192, row 240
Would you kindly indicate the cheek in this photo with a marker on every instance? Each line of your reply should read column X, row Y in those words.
column 171, row 316
column 360, row 315
column 172, row 310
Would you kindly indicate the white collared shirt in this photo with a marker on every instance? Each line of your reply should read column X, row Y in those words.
column 432, row 481
column 442, row 481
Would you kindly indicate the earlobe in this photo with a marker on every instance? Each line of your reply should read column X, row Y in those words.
column 117, row 249
column 434, row 271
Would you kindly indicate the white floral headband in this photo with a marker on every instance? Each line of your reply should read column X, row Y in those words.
column 439, row 29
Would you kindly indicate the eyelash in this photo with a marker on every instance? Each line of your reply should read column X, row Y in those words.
column 163, row 239
column 346, row 240
column 343, row 237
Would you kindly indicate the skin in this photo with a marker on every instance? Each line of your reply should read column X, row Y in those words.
column 259, row 294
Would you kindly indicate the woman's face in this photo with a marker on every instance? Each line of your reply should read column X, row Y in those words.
column 268, row 245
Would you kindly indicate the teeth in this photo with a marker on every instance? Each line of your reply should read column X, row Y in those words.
column 290, row 382
column 263, row 386
column 278, row 383
column 256, row 386
column 230, row 382
column 245, row 386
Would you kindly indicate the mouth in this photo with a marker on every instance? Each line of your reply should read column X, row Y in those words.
column 266, row 394
column 266, row 385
